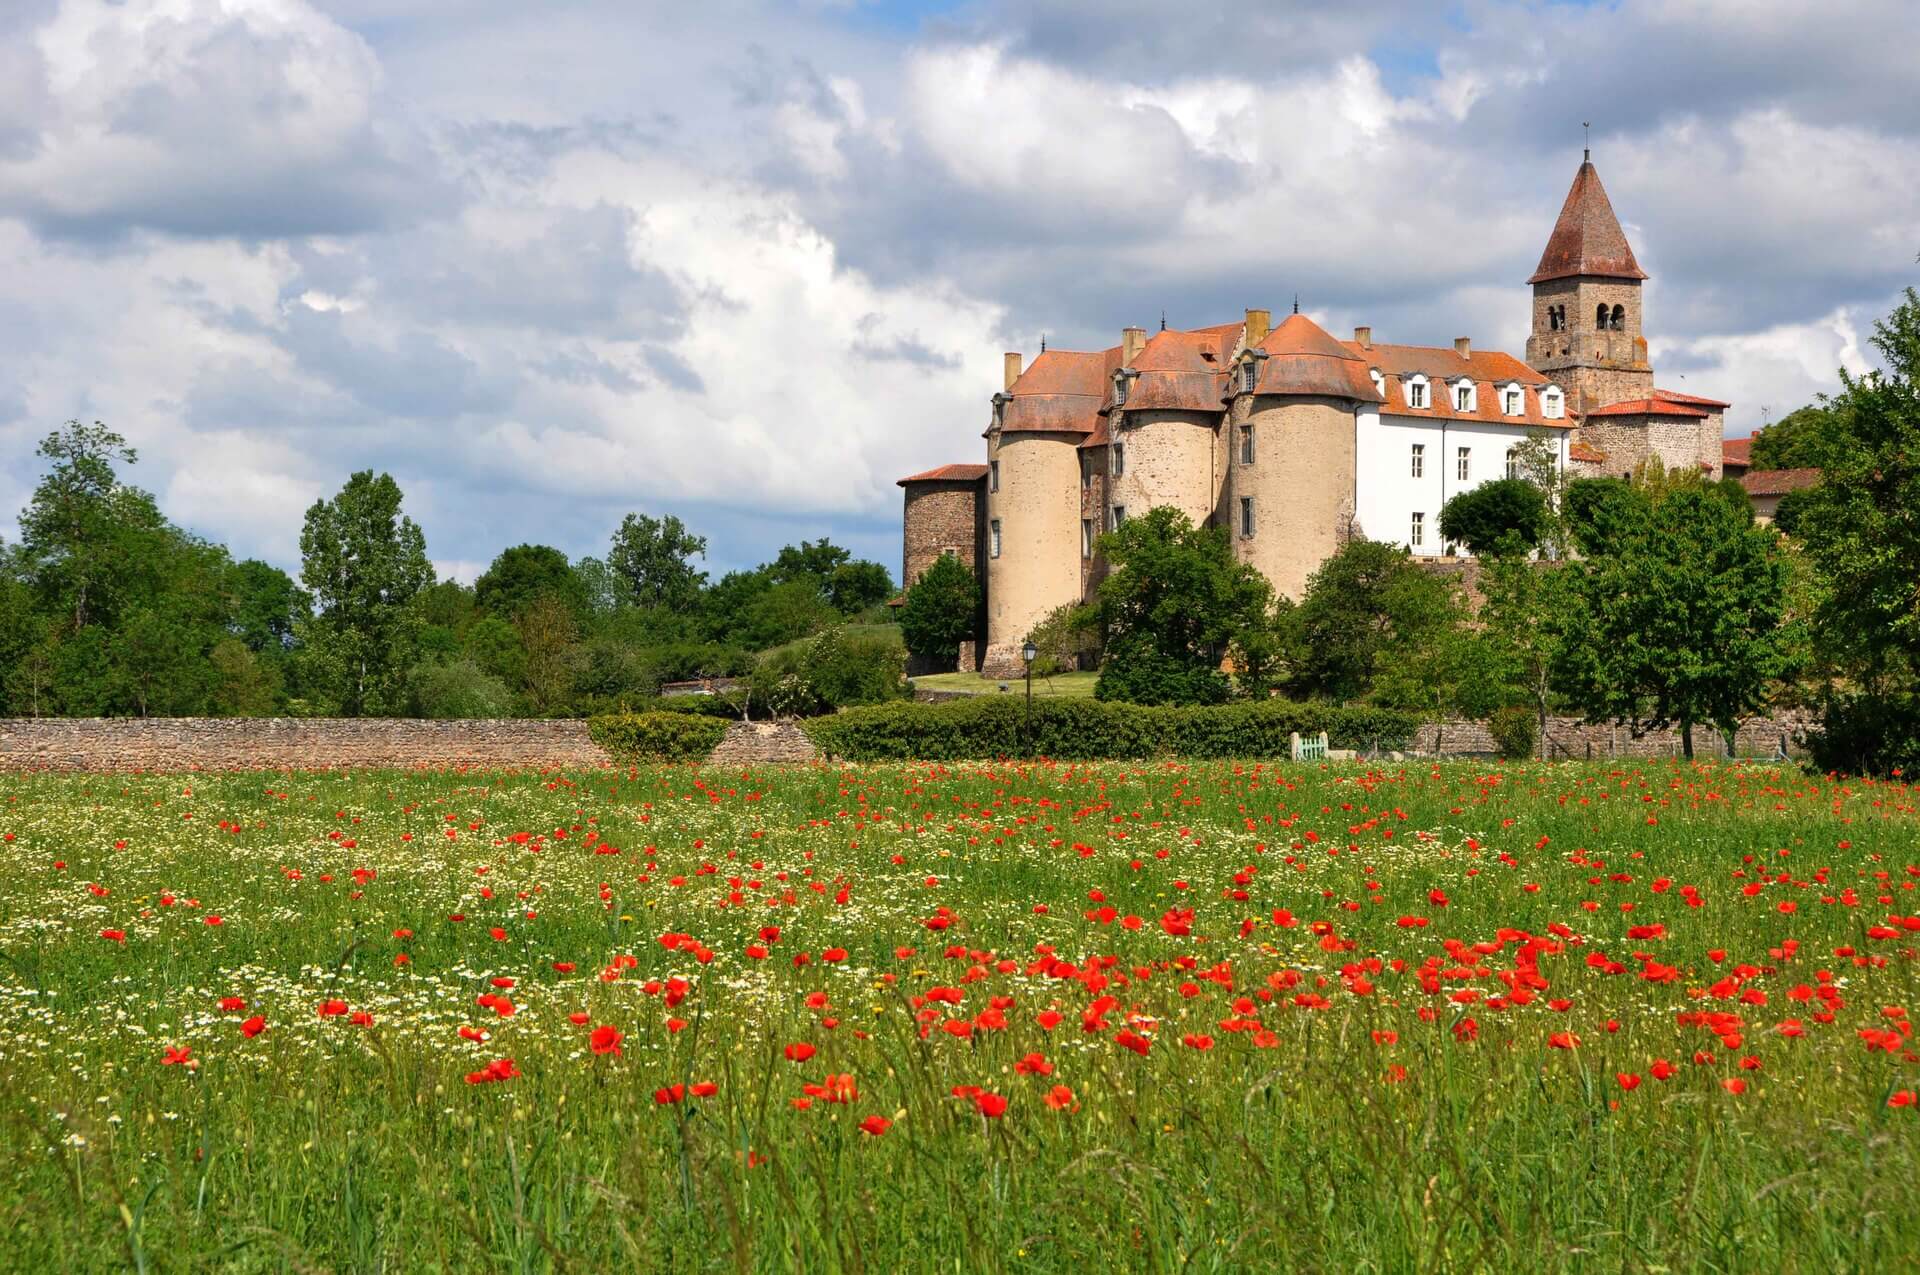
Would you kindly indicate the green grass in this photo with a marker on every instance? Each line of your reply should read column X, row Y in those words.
column 1075, row 685
column 1376, row 1096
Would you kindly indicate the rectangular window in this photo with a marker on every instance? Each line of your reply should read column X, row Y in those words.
column 1246, row 444
column 1119, row 453
column 1513, row 463
column 1246, row 516
column 996, row 537
column 1119, row 516
column 1463, row 399
column 1417, row 534
column 1417, row 394
column 1419, row 464
column 1086, row 537
column 1249, row 372
column 993, row 475
column 1463, row 463
column 1119, row 391
column 1513, row 402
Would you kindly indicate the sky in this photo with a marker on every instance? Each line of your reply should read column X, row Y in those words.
column 748, row 262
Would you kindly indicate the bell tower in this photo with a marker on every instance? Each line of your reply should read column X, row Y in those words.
column 1586, row 303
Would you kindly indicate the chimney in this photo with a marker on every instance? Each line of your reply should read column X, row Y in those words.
column 1363, row 337
column 1463, row 346
column 1259, row 323
column 1010, row 369
column 1132, row 341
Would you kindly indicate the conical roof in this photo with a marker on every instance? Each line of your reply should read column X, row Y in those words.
column 1303, row 360
column 1587, row 240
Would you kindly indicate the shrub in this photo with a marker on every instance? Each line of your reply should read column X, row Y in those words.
column 1868, row 735
column 656, row 736
column 460, row 689
column 1514, row 731
column 939, row 611
column 834, row 670
column 1082, row 730
column 1505, row 514
column 1135, row 672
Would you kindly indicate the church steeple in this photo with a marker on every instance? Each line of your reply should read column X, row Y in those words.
column 1586, row 302
column 1587, row 240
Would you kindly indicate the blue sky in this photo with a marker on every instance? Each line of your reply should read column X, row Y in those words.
column 750, row 262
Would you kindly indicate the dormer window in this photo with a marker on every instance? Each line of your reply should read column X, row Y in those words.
column 1512, row 400
column 1379, row 381
column 1417, row 392
column 1120, row 390
column 1249, row 373
column 1463, row 397
column 1551, row 403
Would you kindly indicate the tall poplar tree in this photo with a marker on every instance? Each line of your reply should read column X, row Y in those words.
column 364, row 561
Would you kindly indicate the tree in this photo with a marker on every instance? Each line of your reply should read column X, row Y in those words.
column 1173, row 602
column 1858, row 531
column 266, row 605
column 1506, row 515
column 526, row 572
column 1066, row 637
column 653, row 556
column 547, row 636
column 857, row 585
column 1806, row 438
column 365, row 562
column 1676, row 616
column 939, row 612
column 1517, row 640
column 1368, row 609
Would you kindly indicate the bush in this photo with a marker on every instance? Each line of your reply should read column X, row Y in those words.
column 939, row 611
column 1868, row 735
column 1514, row 731
column 459, row 690
column 1136, row 673
column 1505, row 514
column 1083, row 730
column 836, row 669
column 656, row 736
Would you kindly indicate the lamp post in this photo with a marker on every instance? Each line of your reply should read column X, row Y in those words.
column 1027, row 654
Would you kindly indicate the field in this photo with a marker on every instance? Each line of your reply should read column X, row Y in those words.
column 1074, row 685
column 953, row 1018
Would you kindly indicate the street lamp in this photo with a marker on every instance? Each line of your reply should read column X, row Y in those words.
column 1027, row 654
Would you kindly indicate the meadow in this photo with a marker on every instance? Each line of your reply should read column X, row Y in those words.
column 968, row 1017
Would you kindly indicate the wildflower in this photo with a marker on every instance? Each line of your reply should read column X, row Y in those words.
column 253, row 1027
column 1060, row 1098
column 875, row 1125
column 605, row 1039
column 799, row 1051
column 181, row 1055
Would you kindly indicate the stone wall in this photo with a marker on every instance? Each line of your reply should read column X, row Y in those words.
column 941, row 517
column 288, row 743
column 1568, row 738
column 763, row 743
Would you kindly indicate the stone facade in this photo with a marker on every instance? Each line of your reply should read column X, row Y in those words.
column 940, row 517
column 1342, row 430
column 285, row 743
column 1570, row 739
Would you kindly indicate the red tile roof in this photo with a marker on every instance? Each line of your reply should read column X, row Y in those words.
column 1650, row 407
column 946, row 474
column 1182, row 371
column 1587, row 239
column 1061, row 392
column 1736, row 451
column 1490, row 371
column 1585, row 453
column 1674, row 396
column 1303, row 359
column 1778, row 482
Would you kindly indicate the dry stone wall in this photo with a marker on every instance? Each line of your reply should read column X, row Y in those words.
column 287, row 743
column 1569, row 738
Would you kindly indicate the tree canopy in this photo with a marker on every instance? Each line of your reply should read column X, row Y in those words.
column 939, row 611
column 1507, row 515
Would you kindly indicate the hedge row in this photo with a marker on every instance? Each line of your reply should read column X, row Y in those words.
column 672, row 736
column 1086, row 730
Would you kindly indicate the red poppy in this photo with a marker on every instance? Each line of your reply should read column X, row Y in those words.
column 606, row 1039
column 232, row 1004
column 181, row 1055
column 875, row 1125
column 253, row 1027
column 1628, row 1080
column 332, row 1008
column 799, row 1051
column 115, row 936
column 990, row 1105
column 1060, row 1098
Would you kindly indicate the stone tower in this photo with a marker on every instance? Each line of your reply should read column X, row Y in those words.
column 1586, row 303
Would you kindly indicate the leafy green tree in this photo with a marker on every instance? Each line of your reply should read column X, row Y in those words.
column 939, row 611
column 1517, row 639
column 1676, row 617
column 781, row 613
column 526, row 572
column 266, row 605
column 245, row 684
column 855, row 586
column 1066, row 637
column 494, row 645
column 549, row 638
column 1507, row 514
column 1806, row 438
column 460, row 689
column 653, row 556
column 365, row 562
column 1173, row 602
column 1366, row 610
column 603, row 590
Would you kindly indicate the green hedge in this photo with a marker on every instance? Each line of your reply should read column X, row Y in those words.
column 1085, row 730
column 656, row 736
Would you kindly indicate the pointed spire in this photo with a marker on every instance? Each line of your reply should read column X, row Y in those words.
column 1163, row 319
column 1296, row 303
column 1043, row 343
column 1587, row 239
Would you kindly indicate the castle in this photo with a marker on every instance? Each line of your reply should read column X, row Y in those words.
column 1296, row 441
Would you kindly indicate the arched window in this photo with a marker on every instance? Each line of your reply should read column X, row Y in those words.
column 1619, row 323
column 1600, row 318
column 1556, row 318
